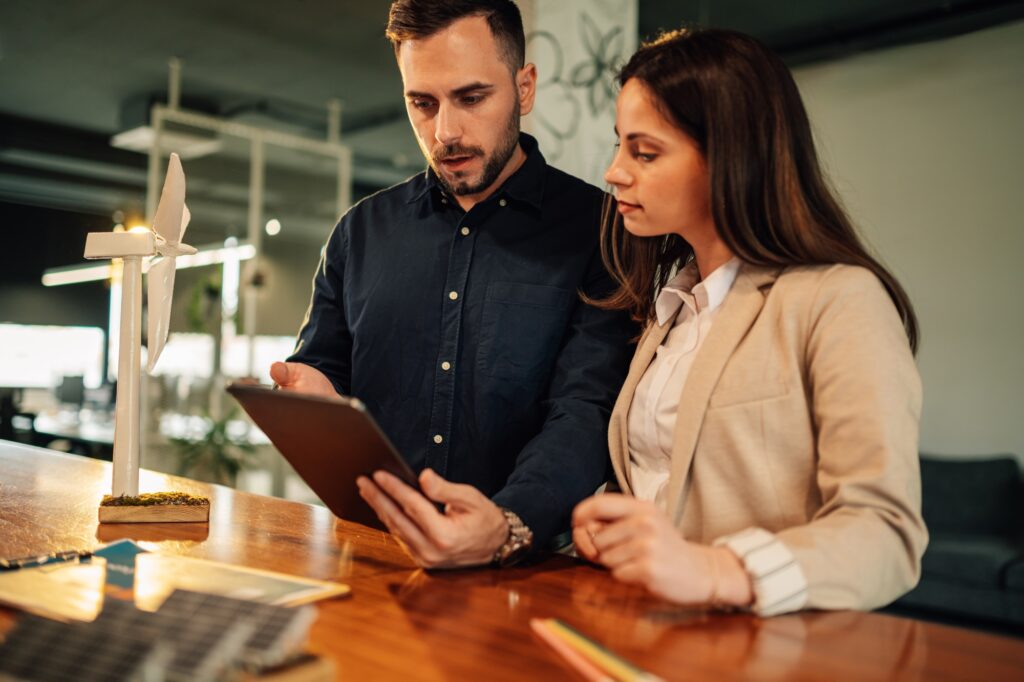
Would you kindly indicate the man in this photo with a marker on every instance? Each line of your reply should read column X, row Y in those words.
column 449, row 304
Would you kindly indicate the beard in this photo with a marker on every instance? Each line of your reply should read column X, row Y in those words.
column 459, row 184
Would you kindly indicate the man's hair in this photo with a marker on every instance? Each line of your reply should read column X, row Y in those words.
column 414, row 19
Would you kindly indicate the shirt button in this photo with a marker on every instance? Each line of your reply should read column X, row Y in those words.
column 438, row 439
column 465, row 231
column 443, row 200
column 502, row 203
column 453, row 295
column 446, row 365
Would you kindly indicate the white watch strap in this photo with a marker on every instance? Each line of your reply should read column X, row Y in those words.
column 778, row 581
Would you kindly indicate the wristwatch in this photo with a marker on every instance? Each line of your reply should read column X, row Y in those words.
column 518, row 543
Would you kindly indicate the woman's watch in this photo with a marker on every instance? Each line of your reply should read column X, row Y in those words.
column 518, row 543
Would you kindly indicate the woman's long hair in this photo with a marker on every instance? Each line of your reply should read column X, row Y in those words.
column 769, row 200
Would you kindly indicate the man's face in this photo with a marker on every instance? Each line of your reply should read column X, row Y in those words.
column 464, row 103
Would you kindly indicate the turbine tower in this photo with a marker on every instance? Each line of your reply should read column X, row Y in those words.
column 163, row 239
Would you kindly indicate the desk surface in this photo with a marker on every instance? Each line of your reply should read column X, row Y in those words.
column 404, row 623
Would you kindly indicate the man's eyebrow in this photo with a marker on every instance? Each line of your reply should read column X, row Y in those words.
column 457, row 92
column 472, row 87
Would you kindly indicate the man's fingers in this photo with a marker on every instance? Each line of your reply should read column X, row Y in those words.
column 438, row 489
column 279, row 373
column 415, row 506
column 394, row 518
column 296, row 376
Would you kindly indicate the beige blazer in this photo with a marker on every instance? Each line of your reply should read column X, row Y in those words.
column 800, row 416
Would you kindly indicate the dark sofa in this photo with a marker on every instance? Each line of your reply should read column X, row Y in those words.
column 974, row 565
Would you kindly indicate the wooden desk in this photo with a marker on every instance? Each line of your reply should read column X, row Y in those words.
column 403, row 623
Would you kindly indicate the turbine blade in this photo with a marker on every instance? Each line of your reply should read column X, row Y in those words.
column 186, row 216
column 160, row 291
column 167, row 221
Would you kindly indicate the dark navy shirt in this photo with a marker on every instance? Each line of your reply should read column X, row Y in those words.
column 465, row 336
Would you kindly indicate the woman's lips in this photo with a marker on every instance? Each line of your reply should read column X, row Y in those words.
column 625, row 208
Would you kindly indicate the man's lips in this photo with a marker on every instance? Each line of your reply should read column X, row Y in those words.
column 456, row 162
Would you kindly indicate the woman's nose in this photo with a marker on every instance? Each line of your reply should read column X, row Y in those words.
column 617, row 176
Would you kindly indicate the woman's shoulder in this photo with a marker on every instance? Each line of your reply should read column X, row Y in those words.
column 836, row 297
column 826, row 282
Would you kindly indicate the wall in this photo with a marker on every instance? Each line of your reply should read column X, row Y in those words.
column 926, row 145
column 37, row 238
column 287, row 268
column 577, row 45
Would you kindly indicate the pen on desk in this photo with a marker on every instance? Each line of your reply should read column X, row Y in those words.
column 575, row 660
column 43, row 559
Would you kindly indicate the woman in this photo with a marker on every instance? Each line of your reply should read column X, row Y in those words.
column 766, row 436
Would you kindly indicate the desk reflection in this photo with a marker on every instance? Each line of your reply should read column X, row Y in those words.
column 671, row 641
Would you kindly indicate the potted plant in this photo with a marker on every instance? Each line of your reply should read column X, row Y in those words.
column 215, row 456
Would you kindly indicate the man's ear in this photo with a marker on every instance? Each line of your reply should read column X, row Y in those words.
column 526, row 88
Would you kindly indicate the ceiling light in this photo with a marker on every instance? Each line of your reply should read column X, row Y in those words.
column 210, row 255
column 187, row 145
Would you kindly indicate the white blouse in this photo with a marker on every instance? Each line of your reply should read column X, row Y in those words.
column 652, row 414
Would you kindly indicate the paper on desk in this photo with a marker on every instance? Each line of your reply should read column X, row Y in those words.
column 154, row 576
column 157, row 575
column 123, row 570
column 63, row 591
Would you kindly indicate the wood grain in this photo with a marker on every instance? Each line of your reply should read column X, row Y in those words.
column 405, row 623
column 155, row 513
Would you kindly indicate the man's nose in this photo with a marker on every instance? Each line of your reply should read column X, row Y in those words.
column 447, row 127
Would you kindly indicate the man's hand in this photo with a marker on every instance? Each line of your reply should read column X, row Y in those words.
column 295, row 376
column 638, row 543
column 468, row 533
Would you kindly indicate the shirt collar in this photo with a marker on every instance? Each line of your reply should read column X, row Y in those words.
column 702, row 296
column 526, row 184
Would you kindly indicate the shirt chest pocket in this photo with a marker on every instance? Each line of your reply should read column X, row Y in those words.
column 521, row 330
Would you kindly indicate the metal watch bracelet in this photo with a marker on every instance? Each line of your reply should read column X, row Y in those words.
column 518, row 543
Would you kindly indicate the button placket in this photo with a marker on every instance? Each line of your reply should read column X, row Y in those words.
column 443, row 404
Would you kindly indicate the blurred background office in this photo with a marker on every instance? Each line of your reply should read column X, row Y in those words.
column 284, row 115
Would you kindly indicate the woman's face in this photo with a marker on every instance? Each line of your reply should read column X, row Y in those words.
column 659, row 174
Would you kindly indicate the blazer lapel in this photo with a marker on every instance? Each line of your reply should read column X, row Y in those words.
column 739, row 311
column 618, row 434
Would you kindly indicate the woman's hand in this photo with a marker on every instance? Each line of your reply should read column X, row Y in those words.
column 639, row 545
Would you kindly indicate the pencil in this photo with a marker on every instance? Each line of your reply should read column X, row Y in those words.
column 614, row 665
column 575, row 660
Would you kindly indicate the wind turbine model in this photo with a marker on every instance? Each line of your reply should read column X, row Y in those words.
column 164, row 239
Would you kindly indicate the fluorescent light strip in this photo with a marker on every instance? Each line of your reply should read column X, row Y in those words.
column 211, row 255
column 76, row 274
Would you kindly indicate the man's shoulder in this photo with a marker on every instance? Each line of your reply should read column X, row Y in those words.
column 396, row 195
column 559, row 185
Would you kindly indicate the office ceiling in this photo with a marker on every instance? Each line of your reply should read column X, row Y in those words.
column 71, row 73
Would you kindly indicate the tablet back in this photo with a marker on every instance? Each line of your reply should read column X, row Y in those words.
column 328, row 441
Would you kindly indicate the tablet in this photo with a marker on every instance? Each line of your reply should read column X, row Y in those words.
column 328, row 441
